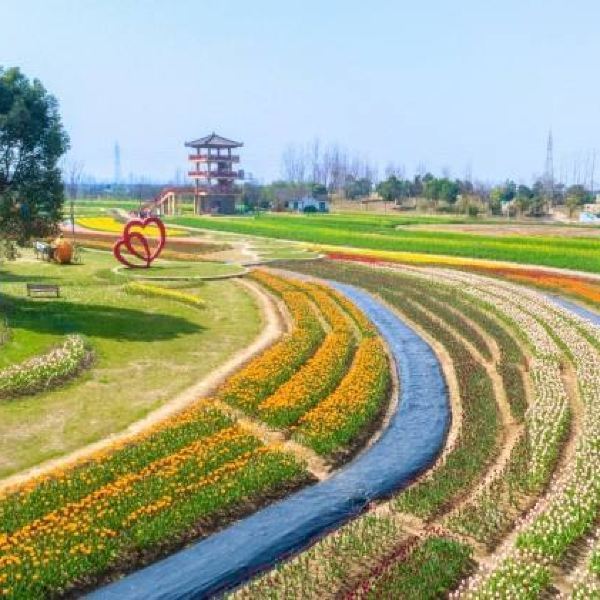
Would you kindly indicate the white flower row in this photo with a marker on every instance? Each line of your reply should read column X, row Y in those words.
column 572, row 504
column 586, row 579
column 547, row 417
column 43, row 372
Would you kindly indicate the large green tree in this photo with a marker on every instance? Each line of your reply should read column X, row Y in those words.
column 576, row 196
column 32, row 140
column 392, row 189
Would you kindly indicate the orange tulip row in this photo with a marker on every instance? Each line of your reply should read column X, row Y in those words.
column 336, row 421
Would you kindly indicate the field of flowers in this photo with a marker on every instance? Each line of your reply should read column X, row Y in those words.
column 510, row 509
column 326, row 381
column 570, row 509
column 388, row 236
column 135, row 500
column 111, row 225
column 538, row 477
column 477, row 444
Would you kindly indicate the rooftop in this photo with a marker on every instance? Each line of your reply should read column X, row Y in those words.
column 213, row 141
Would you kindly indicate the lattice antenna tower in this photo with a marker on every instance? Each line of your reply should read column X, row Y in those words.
column 117, row 175
column 549, row 170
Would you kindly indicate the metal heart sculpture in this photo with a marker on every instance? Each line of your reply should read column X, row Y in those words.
column 146, row 254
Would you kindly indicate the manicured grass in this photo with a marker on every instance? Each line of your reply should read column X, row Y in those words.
column 147, row 350
column 179, row 269
column 382, row 233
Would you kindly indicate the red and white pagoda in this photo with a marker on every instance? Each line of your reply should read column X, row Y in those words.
column 215, row 174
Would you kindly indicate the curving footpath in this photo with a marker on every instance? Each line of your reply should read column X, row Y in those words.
column 412, row 440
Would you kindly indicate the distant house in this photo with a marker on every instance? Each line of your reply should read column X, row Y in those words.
column 589, row 217
column 308, row 204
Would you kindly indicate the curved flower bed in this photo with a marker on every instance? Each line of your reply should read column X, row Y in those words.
column 185, row 477
column 321, row 373
column 46, row 371
column 476, row 445
column 569, row 510
column 156, row 291
column 262, row 376
column 587, row 578
column 339, row 418
column 132, row 501
column 411, row 441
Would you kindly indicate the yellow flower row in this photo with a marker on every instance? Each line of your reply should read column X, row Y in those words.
column 335, row 421
column 279, row 285
column 73, row 516
column 321, row 373
column 111, row 225
column 263, row 375
column 365, row 326
column 146, row 289
column 105, row 521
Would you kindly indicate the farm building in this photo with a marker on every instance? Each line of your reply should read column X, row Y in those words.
column 308, row 204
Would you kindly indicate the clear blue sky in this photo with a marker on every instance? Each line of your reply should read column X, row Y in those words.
column 445, row 83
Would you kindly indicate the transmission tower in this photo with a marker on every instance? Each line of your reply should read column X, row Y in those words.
column 549, row 170
column 117, row 175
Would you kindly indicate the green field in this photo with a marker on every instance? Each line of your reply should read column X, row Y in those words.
column 165, row 269
column 91, row 207
column 388, row 233
column 147, row 350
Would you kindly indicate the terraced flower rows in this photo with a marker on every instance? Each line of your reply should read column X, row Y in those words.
column 149, row 494
column 537, row 472
column 340, row 377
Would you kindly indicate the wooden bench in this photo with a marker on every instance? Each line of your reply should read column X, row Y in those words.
column 43, row 289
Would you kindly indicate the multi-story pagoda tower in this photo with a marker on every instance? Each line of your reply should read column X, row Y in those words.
column 214, row 174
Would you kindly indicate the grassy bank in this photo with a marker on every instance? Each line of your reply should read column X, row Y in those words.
column 148, row 350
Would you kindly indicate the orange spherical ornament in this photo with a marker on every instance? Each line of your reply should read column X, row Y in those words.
column 63, row 252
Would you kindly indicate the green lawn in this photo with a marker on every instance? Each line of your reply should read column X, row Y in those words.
column 148, row 350
column 178, row 269
column 379, row 232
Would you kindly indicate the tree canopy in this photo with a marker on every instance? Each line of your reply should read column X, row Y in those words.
column 32, row 140
column 393, row 189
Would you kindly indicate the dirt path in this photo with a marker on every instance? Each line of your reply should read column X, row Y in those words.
column 274, row 326
column 316, row 464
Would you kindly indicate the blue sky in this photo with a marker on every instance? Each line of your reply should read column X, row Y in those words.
column 451, row 84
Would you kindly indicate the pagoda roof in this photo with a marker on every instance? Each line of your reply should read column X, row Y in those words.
column 213, row 141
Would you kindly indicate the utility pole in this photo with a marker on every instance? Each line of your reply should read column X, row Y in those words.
column 549, row 169
column 117, row 174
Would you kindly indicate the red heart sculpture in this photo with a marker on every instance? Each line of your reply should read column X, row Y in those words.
column 128, row 237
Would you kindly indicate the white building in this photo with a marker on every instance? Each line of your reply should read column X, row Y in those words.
column 589, row 217
column 309, row 204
